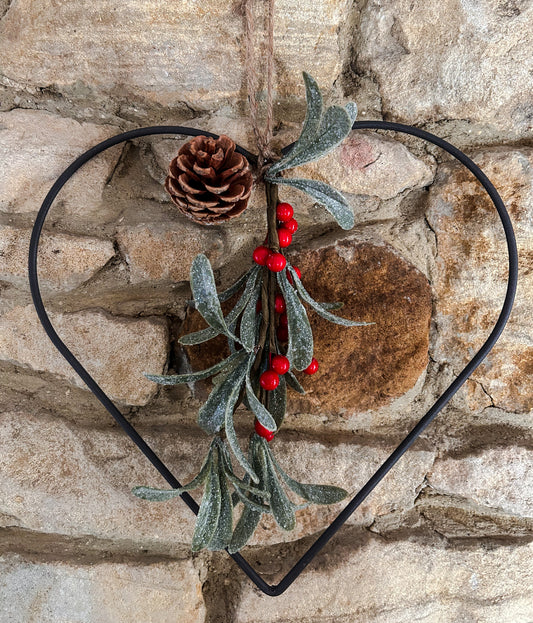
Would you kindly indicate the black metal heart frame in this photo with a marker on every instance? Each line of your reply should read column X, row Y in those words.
column 301, row 564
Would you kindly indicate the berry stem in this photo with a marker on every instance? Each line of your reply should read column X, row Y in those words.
column 271, row 191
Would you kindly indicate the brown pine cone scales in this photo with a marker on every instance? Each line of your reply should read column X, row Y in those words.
column 208, row 181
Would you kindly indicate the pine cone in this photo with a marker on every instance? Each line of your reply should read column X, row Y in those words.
column 208, row 181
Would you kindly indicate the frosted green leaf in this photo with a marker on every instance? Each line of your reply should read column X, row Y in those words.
column 222, row 536
column 248, row 329
column 250, row 517
column 209, row 512
column 158, row 495
column 351, row 109
column 332, row 305
column 245, row 528
column 331, row 199
column 293, row 383
column 277, row 401
column 199, row 337
column 320, row 310
column 318, row 494
column 234, row 479
column 205, row 294
column 161, row 495
column 175, row 379
column 233, row 289
column 259, row 410
column 334, row 127
column 230, row 428
column 282, row 508
column 212, row 413
column 300, row 346
column 311, row 124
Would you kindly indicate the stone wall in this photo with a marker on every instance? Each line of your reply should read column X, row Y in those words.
column 447, row 535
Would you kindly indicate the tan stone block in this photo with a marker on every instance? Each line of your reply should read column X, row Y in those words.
column 64, row 261
column 115, row 351
column 496, row 478
column 49, row 592
column 471, row 273
column 435, row 60
column 164, row 53
column 61, row 479
column 164, row 252
column 36, row 147
column 380, row 581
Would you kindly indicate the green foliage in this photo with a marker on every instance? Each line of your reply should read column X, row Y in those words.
column 199, row 337
column 322, row 131
column 264, row 486
column 331, row 199
column 205, row 295
column 300, row 347
column 176, row 379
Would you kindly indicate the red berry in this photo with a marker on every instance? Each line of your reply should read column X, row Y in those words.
column 280, row 364
column 258, row 306
column 260, row 255
column 276, row 262
column 291, row 225
column 283, row 320
column 285, row 237
column 269, row 380
column 284, row 212
column 312, row 367
column 297, row 271
column 263, row 432
column 283, row 334
column 279, row 304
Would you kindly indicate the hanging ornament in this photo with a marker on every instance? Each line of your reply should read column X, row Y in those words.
column 267, row 330
column 267, row 345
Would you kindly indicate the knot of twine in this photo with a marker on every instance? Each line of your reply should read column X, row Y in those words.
column 263, row 138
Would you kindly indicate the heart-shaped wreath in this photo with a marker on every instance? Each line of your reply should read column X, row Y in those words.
column 267, row 329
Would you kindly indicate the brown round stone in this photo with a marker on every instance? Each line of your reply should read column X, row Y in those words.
column 364, row 368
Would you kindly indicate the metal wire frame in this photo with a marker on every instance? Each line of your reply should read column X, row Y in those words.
column 325, row 537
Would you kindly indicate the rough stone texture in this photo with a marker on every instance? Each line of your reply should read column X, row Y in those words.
column 36, row 146
column 58, row 478
column 471, row 273
column 498, row 478
column 380, row 582
column 454, row 60
column 156, row 253
column 364, row 368
column 57, row 592
column 115, row 351
column 64, row 261
column 367, row 164
column 167, row 54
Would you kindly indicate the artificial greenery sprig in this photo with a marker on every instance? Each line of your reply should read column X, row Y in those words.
column 270, row 338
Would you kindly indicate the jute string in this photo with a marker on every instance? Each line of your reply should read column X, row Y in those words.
column 263, row 138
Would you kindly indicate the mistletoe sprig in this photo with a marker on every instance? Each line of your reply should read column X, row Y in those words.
column 323, row 131
column 270, row 338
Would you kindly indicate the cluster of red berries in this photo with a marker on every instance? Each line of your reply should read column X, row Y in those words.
column 269, row 380
column 276, row 262
column 262, row 255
